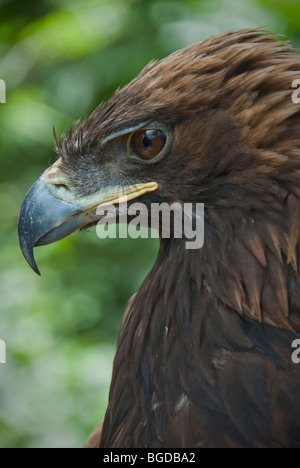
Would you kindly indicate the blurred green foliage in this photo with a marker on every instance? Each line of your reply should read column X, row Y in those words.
column 59, row 59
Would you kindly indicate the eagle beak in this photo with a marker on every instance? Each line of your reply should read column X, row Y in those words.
column 52, row 210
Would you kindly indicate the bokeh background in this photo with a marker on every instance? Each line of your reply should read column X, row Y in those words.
column 59, row 59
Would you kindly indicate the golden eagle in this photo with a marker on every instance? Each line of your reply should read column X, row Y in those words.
column 204, row 356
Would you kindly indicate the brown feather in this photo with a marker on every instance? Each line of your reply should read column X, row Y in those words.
column 204, row 351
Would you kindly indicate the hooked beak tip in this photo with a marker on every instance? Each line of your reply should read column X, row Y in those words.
column 44, row 219
column 27, row 251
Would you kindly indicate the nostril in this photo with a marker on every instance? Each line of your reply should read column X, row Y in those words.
column 62, row 188
column 58, row 183
column 61, row 191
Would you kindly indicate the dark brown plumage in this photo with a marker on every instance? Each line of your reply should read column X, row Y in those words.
column 204, row 351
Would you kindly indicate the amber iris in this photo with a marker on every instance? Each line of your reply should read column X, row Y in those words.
column 147, row 144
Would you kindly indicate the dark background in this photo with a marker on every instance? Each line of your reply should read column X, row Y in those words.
column 59, row 60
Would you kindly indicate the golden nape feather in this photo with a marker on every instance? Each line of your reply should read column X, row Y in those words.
column 204, row 356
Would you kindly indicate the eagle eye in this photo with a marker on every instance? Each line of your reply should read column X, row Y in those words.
column 146, row 144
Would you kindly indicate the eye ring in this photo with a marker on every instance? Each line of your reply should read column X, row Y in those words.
column 148, row 145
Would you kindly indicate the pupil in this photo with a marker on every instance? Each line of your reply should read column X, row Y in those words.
column 147, row 142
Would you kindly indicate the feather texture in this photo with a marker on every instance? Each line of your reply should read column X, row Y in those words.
column 204, row 351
